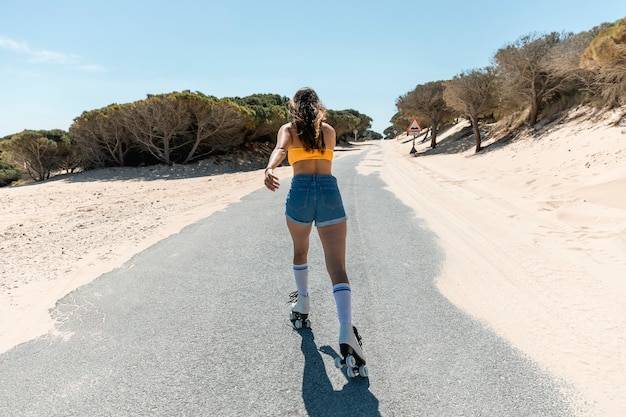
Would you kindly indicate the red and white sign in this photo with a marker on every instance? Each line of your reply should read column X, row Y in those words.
column 414, row 127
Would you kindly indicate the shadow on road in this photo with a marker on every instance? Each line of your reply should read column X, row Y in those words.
column 320, row 399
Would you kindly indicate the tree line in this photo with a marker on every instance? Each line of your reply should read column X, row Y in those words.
column 537, row 74
column 172, row 128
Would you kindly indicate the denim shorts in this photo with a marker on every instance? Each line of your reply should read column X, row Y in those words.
column 315, row 198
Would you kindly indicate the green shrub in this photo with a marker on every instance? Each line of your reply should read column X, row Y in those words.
column 8, row 174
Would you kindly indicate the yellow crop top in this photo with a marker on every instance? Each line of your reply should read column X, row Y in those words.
column 299, row 154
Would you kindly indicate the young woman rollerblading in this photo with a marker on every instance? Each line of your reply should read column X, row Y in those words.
column 308, row 143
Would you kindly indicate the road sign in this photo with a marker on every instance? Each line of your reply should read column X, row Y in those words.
column 414, row 127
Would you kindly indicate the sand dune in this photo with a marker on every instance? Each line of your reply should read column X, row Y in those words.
column 535, row 239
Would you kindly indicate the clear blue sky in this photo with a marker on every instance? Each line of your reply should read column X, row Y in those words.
column 60, row 58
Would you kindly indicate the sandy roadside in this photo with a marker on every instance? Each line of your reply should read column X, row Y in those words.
column 535, row 243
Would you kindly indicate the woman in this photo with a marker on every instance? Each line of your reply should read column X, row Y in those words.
column 309, row 143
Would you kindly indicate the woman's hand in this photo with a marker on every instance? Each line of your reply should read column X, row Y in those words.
column 271, row 180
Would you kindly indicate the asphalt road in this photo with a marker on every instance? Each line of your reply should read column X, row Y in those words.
column 197, row 325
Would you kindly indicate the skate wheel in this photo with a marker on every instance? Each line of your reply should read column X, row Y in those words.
column 363, row 371
column 292, row 316
column 351, row 372
column 338, row 362
column 307, row 323
column 297, row 324
column 350, row 361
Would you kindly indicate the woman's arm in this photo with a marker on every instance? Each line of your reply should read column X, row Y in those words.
column 283, row 141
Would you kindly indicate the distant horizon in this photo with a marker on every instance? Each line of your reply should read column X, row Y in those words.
column 356, row 57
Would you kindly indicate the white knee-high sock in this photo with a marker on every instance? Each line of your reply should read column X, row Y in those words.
column 343, row 298
column 301, row 275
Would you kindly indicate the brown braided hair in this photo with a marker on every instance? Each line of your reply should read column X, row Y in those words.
column 307, row 113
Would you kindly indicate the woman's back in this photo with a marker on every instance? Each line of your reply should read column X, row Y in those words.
column 313, row 164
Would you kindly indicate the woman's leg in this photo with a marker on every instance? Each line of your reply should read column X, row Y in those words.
column 300, row 237
column 334, row 243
